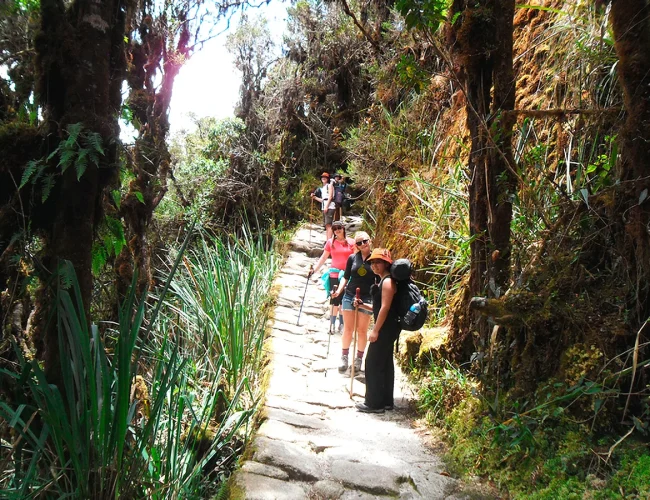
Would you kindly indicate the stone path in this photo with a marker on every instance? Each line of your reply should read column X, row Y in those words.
column 312, row 443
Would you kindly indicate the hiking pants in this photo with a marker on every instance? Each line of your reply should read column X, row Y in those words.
column 380, row 370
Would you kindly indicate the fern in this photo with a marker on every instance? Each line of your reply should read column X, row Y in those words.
column 93, row 141
column 81, row 163
column 70, row 152
column 74, row 129
column 47, row 184
column 32, row 167
column 66, row 159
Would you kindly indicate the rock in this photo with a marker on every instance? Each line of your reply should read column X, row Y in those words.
column 421, row 346
column 327, row 489
column 367, row 477
column 409, row 346
column 432, row 340
column 264, row 470
column 298, row 462
column 257, row 487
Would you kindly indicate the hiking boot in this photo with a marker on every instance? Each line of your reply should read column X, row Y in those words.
column 366, row 409
column 344, row 363
column 357, row 365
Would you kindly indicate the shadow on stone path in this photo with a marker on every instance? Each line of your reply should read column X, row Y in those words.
column 312, row 443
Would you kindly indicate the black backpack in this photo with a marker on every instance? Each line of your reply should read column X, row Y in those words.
column 407, row 295
column 339, row 195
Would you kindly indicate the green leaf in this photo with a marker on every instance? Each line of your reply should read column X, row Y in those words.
column 139, row 196
column 74, row 129
column 81, row 163
column 99, row 257
column 94, row 141
column 117, row 198
column 31, row 168
column 47, row 184
column 66, row 159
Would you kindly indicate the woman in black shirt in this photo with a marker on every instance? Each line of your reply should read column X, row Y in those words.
column 358, row 274
column 380, row 370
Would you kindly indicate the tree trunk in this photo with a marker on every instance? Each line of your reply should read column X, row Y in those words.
column 482, row 42
column 80, row 54
column 500, row 180
column 150, row 160
column 631, row 26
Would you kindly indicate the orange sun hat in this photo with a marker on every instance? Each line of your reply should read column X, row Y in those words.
column 325, row 174
column 381, row 254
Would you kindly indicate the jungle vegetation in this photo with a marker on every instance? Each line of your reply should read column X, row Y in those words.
column 499, row 146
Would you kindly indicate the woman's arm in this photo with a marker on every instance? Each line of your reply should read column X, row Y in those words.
column 388, row 290
column 320, row 262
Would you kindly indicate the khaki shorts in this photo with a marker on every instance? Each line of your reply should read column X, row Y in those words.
column 328, row 217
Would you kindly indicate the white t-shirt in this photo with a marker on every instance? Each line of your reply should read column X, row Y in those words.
column 325, row 194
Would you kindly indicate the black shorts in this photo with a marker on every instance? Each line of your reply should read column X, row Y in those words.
column 334, row 282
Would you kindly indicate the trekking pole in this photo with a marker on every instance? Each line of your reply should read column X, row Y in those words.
column 329, row 337
column 311, row 219
column 354, row 345
column 311, row 270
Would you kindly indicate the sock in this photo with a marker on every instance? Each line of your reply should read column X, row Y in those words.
column 346, row 351
column 360, row 354
column 341, row 319
column 333, row 320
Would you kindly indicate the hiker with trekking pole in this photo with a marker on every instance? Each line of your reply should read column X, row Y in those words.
column 380, row 369
column 339, row 247
column 358, row 274
column 325, row 196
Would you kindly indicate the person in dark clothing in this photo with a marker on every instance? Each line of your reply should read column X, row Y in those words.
column 357, row 275
column 380, row 370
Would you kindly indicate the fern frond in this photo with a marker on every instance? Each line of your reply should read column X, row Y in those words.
column 74, row 129
column 93, row 157
column 32, row 167
column 81, row 163
column 67, row 156
column 47, row 184
column 94, row 141
column 115, row 240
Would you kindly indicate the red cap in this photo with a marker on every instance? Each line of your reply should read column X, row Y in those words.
column 325, row 174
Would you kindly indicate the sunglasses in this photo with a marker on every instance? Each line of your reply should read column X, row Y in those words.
column 362, row 242
column 339, row 228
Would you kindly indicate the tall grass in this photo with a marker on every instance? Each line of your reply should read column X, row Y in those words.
column 160, row 407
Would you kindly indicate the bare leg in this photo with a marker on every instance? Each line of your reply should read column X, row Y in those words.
column 362, row 331
column 348, row 329
column 363, row 321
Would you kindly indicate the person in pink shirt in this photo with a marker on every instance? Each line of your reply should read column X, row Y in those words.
column 339, row 247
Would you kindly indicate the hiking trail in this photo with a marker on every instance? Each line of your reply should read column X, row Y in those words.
column 312, row 443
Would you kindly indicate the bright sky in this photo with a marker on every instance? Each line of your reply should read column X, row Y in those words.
column 208, row 84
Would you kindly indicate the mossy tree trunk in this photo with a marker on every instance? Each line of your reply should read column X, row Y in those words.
column 81, row 63
column 163, row 45
column 481, row 41
column 631, row 25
